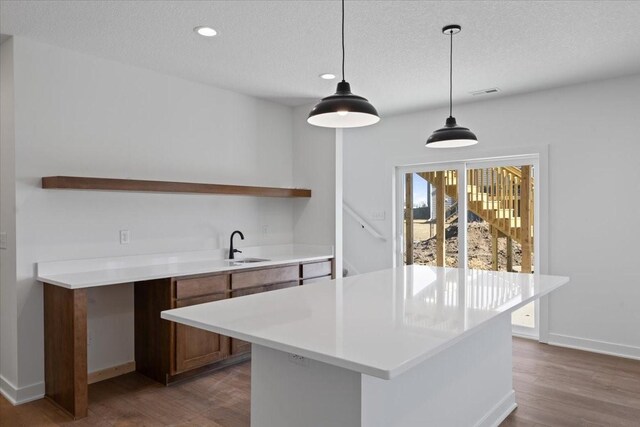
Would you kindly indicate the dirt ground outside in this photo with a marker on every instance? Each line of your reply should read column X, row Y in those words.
column 478, row 246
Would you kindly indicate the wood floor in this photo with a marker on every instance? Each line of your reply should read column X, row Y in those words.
column 554, row 387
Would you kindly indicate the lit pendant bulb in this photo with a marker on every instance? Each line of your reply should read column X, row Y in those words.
column 343, row 109
column 451, row 135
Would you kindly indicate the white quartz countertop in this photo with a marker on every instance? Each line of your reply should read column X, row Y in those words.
column 380, row 324
column 86, row 273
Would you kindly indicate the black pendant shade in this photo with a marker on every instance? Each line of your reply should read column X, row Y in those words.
column 343, row 109
column 451, row 135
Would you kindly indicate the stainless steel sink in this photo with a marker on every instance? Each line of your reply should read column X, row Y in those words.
column 247, row 260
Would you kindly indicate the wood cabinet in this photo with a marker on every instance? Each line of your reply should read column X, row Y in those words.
column 190, row 288
column 313, row 272
column 281, row 286
column 195, row 347
column 167, row 352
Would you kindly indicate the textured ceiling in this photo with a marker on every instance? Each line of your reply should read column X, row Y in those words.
column 396, row 54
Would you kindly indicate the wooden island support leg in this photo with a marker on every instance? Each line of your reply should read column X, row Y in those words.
column 65, row 348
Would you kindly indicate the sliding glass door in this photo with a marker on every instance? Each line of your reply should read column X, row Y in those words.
column 430, row 218
column 475, row 214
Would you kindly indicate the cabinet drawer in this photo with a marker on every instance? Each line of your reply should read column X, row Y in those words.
column 264, row 277
column 281, row 286
column 188, row 288
column 248, row 291
column 316, row 280
column 186, row 302
column 316, row 269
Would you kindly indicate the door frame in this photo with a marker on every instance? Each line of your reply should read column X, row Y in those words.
column 539, row 160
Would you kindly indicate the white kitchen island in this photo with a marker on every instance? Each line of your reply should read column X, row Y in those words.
column 409, row 346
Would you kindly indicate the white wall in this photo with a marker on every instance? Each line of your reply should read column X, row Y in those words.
column 594, row 150
column 314, row 168
column 80, row 115
column 8, row 305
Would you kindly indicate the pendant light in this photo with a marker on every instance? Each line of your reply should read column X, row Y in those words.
column 451, row 135
column 343, row 109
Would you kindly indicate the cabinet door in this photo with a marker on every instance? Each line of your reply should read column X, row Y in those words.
column 195, row 347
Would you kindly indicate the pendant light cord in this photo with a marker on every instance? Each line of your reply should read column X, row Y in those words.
column 451, row 75
column 342, row 40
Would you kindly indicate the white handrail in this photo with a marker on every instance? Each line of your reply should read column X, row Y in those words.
column 364, row 224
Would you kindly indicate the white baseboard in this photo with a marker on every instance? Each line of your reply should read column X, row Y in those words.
column 499, row 412
column 525, row 335
column 603, row 347
column 18, row 395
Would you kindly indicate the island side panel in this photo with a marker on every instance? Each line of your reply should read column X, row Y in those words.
column 290, row 391
column 467, row 384
column 65, row 344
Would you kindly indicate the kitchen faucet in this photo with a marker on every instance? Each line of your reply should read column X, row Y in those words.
column 232, row 251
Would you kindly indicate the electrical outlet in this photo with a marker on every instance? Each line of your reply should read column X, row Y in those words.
column 125, row 237
column 3, row 240
column 298, row 360
column 265, row 229
column 378, row 215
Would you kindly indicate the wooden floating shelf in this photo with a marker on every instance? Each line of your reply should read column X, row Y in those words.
column 112, row 184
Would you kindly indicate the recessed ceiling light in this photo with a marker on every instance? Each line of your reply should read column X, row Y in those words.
column 205, row 31
column 327, row 76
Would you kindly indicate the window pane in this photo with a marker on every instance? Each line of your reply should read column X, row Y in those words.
column 500, row 224
column 431, row 206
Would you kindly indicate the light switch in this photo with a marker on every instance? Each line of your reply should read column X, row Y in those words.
column 125, row 237
column 3, row 240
